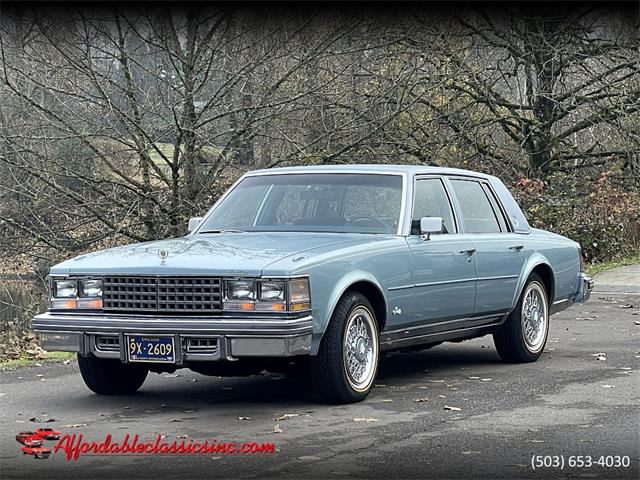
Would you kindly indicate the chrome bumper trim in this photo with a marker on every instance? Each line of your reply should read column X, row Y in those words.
column 237, row 336
column 586, row 286
column 106, row 323
column 62, row 342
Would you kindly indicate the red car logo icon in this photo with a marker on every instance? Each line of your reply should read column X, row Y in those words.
column 29, row 439
column 37, row 452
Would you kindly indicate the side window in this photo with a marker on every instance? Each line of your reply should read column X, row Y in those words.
column 431, row 200
column 504, row 226
column 477, row 213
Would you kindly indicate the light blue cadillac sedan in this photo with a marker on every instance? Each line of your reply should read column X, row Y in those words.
column 319, row 270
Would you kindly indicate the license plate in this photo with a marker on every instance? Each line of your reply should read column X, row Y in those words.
column 151, row 349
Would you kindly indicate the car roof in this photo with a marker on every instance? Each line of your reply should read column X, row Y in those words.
column 370, row 168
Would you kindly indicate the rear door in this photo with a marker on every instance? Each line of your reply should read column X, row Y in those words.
column 499, row 254
column 444, row 266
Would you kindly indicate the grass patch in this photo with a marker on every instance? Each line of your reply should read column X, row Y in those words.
column 595, row 268
column 25, row 361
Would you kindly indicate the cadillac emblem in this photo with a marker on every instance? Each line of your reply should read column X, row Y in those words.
column 163, row 254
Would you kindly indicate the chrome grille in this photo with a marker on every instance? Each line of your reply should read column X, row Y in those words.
column 162, row 294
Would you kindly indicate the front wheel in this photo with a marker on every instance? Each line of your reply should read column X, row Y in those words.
column 523, row 336
column 347, row 362
column 111, row 377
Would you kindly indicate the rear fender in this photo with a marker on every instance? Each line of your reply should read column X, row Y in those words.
column 532, row 262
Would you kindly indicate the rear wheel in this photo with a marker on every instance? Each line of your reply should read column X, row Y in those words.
column 111, row 377
column 347, row 362
column 523, row 336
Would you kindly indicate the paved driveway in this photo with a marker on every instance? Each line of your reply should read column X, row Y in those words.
column 568, row 403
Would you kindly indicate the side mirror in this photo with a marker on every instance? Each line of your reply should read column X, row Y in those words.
column 429, row 225
column 193, row 223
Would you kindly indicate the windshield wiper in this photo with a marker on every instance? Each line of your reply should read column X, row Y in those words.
column 223, row 231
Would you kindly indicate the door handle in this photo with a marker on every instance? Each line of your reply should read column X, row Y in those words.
column 469, row 251
column 516, row 248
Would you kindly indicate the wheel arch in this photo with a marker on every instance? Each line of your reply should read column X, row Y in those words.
column 541, row 266
column 363, row 283
column 545, row 272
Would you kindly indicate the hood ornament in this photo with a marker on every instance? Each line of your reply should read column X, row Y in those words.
column 163, row 254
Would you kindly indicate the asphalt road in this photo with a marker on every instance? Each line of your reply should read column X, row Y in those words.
column 568, row 403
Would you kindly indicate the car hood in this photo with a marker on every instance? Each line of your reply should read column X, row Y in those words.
column 247, row 253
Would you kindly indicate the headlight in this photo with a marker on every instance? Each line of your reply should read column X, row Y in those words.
column 265, row 295
column 90, row 288
column 74, row 293
column 241, row 290
column 65, row 289
column 271, row 291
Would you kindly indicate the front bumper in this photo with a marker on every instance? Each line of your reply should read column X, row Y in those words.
column 199, row 338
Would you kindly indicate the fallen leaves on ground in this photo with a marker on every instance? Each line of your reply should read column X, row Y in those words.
column 608, row 386
column 244, row 418
column 452, row 409
column 421, row 400
column 74, row 425
column 365, row 419
column 277, row 429
column 286, row 416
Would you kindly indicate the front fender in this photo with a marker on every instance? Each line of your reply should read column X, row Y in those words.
column 532, row 262
column 341, row 286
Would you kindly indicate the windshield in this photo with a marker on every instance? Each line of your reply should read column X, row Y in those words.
column 350, row 203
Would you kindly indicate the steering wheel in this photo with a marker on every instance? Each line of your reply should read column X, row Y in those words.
column 373, row 219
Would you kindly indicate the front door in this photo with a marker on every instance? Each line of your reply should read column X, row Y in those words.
column 444, row 267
